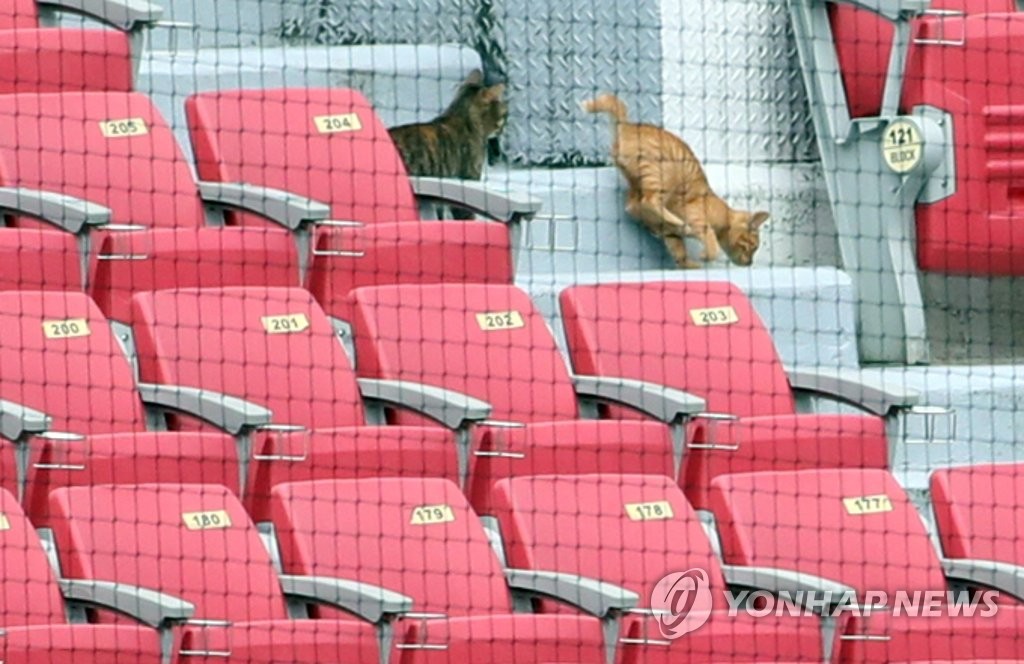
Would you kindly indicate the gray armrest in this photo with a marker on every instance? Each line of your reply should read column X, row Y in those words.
column 16, row 421
column 231, row 414
column 452, row 409
column 282, row 207
column 891, row 9
column 658, row 401
column 850, row 386
column 127, row 15
column 369, row 602
column 782, row 580
column 149, row 607
column 589, row 595
column 475, row 196
column 65, row 212
column 1004, row 577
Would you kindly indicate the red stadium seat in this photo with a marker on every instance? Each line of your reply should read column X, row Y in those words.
column 978, row 511
column 633, row 530
column 37, row 259
column 858, row 528
column 37, row 59
column 329, row 145
column 34, row 628
column 490, row 342
column 196, row 542
column 59, row 357
column 421, row 538
column 965, row 65
column 707, row 339
column 276, row 347
column 115, row 150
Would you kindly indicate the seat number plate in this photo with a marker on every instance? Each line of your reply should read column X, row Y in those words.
column 336, row 124
column 714, row 316
column 286, row 324
column 427, row 515
column 656, row 511
column 5, row 524
column 124, row 128
column 206, row 520
column 868, row 505
column 500, row 320
column 66, row 329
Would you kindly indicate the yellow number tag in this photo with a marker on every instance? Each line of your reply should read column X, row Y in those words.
column 286, row 324
column 124, row 128
column 868, row 504
column 714, row 316
column 500, row 320
column 426, row 515
column 206, row 520
column 5, row 524
column 336, row 124
column 66, row 329
column 649, row 511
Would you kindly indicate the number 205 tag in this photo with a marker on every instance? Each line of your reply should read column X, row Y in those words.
column 867, row 505
column 426, row 515
column 656, row 511
column 714, row 316
column 206, row 520
column 124, row 128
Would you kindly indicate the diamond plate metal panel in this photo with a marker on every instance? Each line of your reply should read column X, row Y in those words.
column 732, row 81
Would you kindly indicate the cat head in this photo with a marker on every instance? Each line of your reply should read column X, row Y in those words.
column 484, row 105
column 742, row 237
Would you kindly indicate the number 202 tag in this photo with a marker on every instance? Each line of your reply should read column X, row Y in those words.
column 66, row 329
column 714, row 316
column 500, row 320
column 867, row 505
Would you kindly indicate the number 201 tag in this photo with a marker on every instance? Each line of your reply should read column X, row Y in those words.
column 867, row 505
column 286, row 324
column 714, row 316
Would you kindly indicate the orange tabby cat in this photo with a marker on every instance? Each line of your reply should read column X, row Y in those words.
column 669, row 192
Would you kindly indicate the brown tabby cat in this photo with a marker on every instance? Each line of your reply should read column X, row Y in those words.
column 669, row 191
column 454, row 144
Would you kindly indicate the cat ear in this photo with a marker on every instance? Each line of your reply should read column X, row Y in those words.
column 494, row 92
column 476, row 77
column 757, row 220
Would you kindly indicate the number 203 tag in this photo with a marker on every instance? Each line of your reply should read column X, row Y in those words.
column 206, row 520
column 714, row 316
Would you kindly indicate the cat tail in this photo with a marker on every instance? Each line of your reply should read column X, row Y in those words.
column 609, row 104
